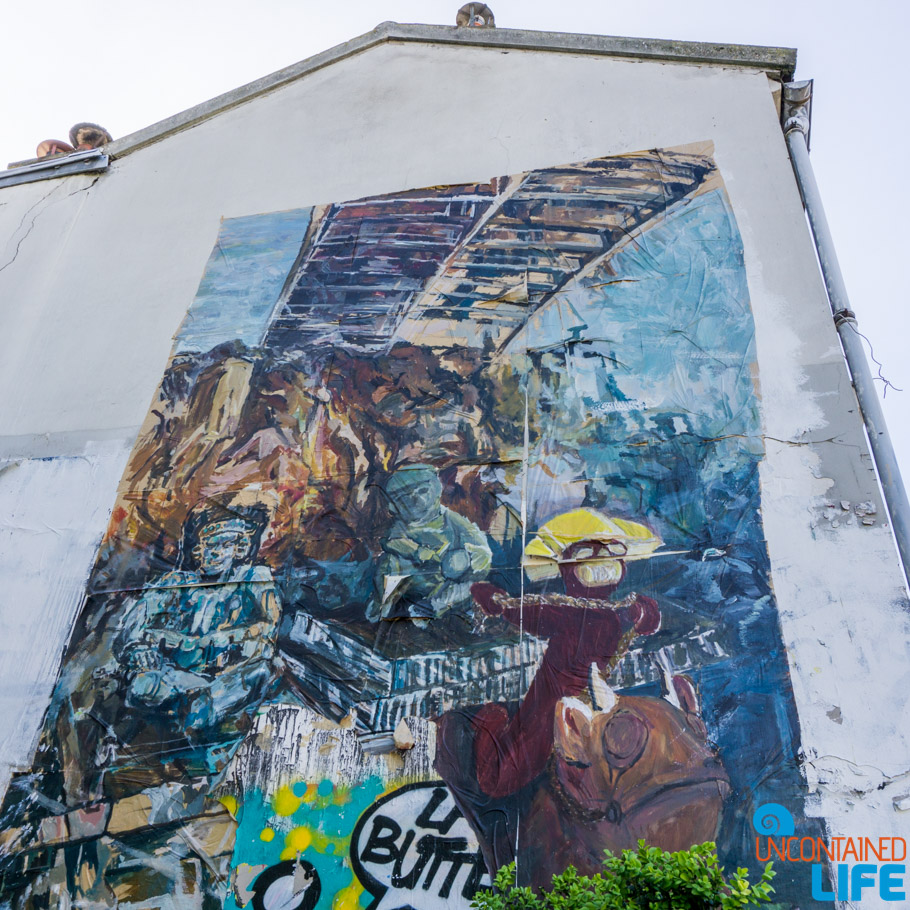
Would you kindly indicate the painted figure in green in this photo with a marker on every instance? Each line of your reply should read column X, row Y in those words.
column 430, row 556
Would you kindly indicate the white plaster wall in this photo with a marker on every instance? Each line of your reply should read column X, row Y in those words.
column 106, row 268
column 52, row 514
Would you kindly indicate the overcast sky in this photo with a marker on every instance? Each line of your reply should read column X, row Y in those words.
column 126, row 65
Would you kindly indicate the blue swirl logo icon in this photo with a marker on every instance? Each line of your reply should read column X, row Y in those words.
column 773, row 820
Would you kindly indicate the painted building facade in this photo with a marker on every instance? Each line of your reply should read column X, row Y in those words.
column 501, row 496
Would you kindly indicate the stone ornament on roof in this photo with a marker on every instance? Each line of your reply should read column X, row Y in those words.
column 89, row 136
column 475, row 15
column 82, row 136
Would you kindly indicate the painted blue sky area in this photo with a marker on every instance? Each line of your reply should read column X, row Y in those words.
column 649, row 369
column 242, row 279
column 664, row 328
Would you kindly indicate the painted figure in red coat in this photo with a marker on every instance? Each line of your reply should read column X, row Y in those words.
column 579, row 768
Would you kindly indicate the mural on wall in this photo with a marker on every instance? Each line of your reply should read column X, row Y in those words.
column 441, row 545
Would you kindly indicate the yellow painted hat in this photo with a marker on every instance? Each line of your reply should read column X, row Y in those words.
column 543, row 553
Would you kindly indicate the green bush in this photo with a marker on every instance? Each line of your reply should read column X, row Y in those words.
column 646, row 879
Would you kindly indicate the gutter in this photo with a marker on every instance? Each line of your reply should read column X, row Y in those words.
column 796, row 118
column 90, row 161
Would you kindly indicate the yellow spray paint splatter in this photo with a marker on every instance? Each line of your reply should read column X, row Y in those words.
column 267, row 834
column 230, row 803
column 296, row 841
column 321, row 843
column 348, row 898
column 285, row 802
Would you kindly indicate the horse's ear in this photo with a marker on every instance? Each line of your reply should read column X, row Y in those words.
column 685, row 692
column 571, row 731
column 603, row 698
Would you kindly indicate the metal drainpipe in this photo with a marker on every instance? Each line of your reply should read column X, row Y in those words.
column 797, row 101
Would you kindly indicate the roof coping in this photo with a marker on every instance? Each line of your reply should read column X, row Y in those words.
column 778, row 62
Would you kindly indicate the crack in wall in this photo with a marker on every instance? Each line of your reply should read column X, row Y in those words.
column 32, row 208
column 843, row 779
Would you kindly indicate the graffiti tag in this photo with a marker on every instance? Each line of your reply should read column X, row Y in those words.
column 414, row 849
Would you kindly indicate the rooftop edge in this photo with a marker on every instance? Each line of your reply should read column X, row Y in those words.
column 778, row 62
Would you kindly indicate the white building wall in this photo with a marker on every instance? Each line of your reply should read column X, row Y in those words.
column 96, row 273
